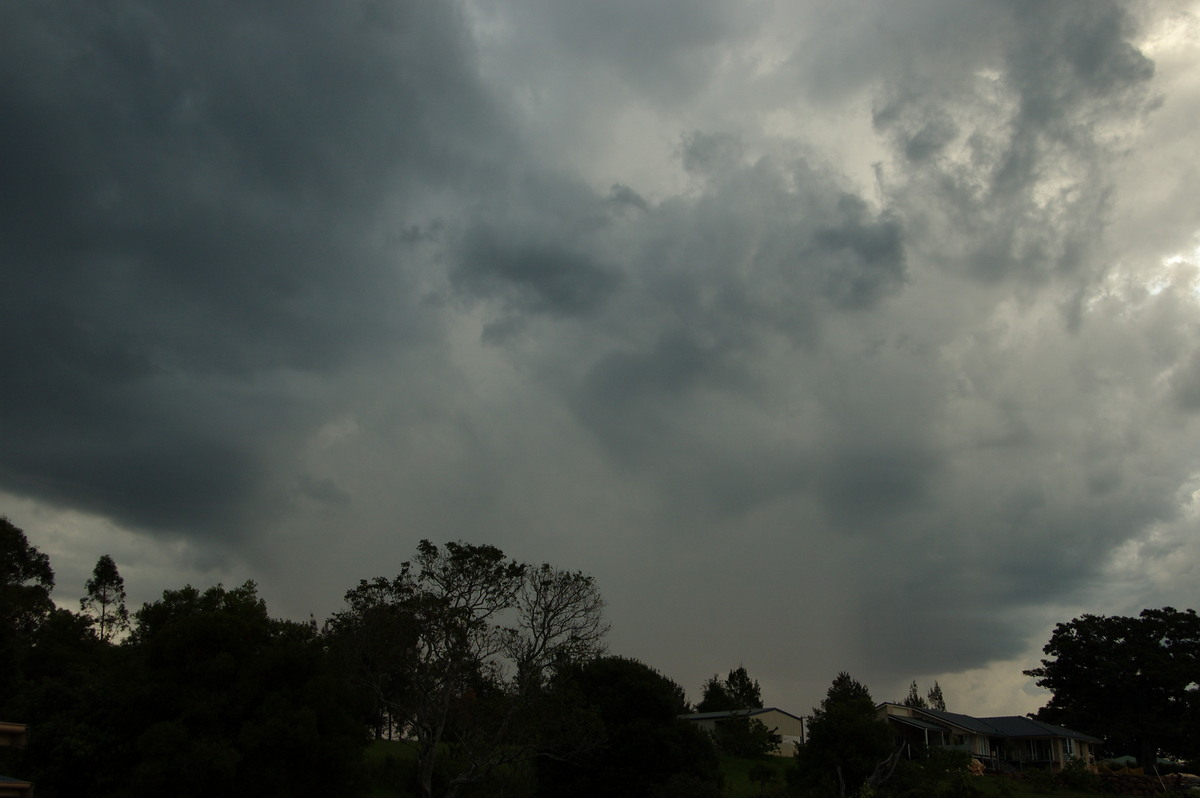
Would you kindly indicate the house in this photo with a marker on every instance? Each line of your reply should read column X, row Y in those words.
column 13, row 734
column 999, row 743
column 788, row 726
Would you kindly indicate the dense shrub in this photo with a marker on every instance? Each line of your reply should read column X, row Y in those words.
column 934, row 773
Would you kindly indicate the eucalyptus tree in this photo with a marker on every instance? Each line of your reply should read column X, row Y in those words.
column 105, row 600
column 457, row 652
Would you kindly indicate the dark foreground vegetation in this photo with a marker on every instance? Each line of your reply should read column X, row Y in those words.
column 466, row 674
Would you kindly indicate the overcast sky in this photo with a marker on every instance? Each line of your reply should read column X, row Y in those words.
column 828, row 336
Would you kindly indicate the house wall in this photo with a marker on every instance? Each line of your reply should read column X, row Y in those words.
column 1080, row 750
column 12, row 734
column 783, row 723
column 789, row 728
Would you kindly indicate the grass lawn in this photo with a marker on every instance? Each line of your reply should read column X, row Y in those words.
column 999, row 787
column 387, row 765
column 737, row 773
column 738, row 784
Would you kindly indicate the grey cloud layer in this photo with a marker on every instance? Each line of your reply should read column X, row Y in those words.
column 192, row 213
column 271, row 269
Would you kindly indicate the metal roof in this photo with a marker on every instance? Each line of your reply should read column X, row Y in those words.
column 1004, row 726
column 739, row 713
column 973, row 725
column 1017, row 726
column 920, row 724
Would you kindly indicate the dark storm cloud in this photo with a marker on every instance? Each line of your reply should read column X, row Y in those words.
column 532, row 276
column 632, row 398
column 1185, row 384
column 766, row 252
column 875, row 484
column 803, row 327
column 190, row 214
column 867, row 255
column 1070, row 56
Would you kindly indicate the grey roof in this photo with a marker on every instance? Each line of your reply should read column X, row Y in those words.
column 1003, row 726
column 1017, row 726
column 742, row 713
column 974, row 725
column 917, row 722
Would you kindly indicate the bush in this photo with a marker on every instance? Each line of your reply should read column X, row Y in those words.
column 934, row 773
column 1078, row 776
column 686, row 785
column 762, row 774
column 746, row 737
column 1039, row 779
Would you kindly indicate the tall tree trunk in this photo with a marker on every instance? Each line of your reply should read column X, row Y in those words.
column 1147, row 755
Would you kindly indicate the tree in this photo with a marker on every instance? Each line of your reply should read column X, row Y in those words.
column 1131, row 680
column 105, row 600
column 744, row 691
column 647, row 750
column 936, row 700
column 746, row 737
column 848, row 746
column 225, row 700
column 468, row 643
column 26, row 580
column 561, row 621
column 738, row 735
column 714, row 697
column 737, row 691
column 372, row 641
column 914, row 699
column 70, row 696
column 932, row 700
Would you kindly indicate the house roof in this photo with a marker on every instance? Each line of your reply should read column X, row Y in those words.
column 974, row 725
column 1017, row 726
column 1003, row 726
column 741, row 713
column 917, row 723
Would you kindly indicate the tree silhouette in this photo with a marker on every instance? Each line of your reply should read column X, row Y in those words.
column 1130, row 680
column 914, row 699
column 105, row 600
column 936, row 700
column 736, row 691
column 847, row 743
column 458, row 649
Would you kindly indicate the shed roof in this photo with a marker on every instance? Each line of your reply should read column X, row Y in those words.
column 739, row 713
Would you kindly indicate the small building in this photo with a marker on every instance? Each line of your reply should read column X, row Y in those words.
column 788, row 726
column 13, row 735
column 1007, row 742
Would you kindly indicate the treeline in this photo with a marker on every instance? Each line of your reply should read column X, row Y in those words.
column 492, row 670
column 203, row 694
column 493, row 673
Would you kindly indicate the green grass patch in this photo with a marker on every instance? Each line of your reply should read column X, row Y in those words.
column 737, row 770
column 389, row 767
column 1002, row 787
